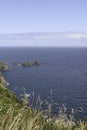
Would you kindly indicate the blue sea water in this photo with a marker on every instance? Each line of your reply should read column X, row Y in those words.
column 62, row 79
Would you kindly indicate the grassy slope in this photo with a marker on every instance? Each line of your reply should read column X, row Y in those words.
column 15, row 115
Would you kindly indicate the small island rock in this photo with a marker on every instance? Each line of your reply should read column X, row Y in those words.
column 30, row 64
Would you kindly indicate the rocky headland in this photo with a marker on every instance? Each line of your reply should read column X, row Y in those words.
column 4, row 66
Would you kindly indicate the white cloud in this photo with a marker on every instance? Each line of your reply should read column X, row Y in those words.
column 43, row 36
column 76, row 36
column 44, row 39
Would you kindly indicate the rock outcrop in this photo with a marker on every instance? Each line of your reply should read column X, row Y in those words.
column 29, row 64
column 4, row 66
column 3, row 82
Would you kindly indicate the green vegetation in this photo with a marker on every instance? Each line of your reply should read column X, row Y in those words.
column 3, row 81
column 16, row 115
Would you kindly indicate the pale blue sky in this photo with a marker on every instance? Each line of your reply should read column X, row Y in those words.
column 22, row 16
column 42, row 15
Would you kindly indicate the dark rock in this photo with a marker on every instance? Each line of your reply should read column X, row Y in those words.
column 27, row 64
column 16, row 64
column 37, row 63
column 30, row 64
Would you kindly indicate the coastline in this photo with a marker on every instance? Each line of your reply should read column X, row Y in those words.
column 26, row 118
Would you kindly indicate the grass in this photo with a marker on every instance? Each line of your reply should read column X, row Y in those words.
column 16, row 115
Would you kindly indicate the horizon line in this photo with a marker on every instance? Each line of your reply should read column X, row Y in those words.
column 45, row 46
column 43, row 32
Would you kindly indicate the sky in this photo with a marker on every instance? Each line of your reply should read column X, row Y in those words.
column 26, row 16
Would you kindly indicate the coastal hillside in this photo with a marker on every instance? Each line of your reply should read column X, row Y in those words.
column 16, row 115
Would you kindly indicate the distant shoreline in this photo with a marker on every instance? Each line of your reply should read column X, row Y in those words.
column 44, row 47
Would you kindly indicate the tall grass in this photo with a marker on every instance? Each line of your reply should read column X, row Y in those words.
column 28, row 119
column 23, row 120
column 16, row 115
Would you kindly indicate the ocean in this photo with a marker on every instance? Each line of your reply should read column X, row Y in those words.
column 61, row 79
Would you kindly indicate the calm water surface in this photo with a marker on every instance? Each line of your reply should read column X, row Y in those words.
column 62, row 79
